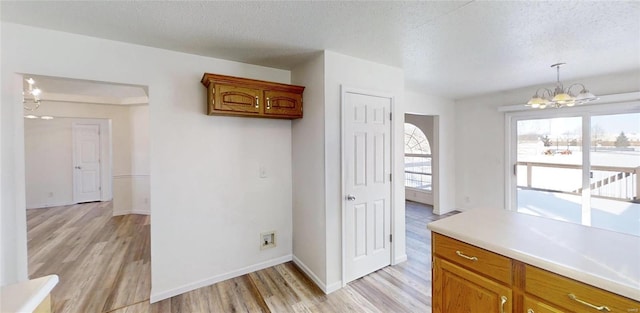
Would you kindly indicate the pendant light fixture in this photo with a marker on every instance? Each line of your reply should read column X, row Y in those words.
column 32, row 94
column 560, row 97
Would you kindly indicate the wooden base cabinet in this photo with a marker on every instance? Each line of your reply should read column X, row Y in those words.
column 235, row 96
column 469, row 279
column 456, row 289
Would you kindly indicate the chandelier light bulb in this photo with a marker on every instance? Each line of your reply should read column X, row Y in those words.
column 33, row 93
column 558, row 96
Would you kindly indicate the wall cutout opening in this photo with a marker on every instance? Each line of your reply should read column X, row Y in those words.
column 419, row 133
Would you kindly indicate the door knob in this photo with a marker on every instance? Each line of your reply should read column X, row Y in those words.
column 351, row 197
column 78, row 167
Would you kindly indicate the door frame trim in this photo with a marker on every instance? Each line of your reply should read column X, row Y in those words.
column 343, row 91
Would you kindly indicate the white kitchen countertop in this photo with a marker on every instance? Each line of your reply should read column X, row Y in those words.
column 26, row 296
column 597, row 257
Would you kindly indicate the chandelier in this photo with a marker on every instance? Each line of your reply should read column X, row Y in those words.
column 560, row 97
column 32, row 94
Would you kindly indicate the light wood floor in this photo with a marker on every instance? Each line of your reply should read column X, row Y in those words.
column 103, row 263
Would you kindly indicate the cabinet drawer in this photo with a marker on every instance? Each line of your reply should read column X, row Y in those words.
column 557, row 289
column 534, row 306
column 472, row 257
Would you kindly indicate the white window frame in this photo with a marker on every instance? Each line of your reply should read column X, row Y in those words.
column 425, row 155
column 585, row 112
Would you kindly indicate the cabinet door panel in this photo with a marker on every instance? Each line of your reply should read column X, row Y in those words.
column 283, row 103
column 534, row 306
column 459, row 290
column 237, row 99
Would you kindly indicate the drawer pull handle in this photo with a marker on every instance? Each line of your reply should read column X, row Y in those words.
column 530, row 311
column 601, row 308
column 268, row 104
column 503, row 301
column 470, row 258
column 257, row 102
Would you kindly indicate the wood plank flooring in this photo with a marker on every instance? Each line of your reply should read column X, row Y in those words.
column 103, row 263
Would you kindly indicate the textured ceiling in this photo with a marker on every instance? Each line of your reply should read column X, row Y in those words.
column 449, row 48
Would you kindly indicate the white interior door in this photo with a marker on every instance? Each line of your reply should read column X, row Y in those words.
column 367, row 184
column 86, row 162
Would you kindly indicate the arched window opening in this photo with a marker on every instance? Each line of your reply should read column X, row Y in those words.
column 417, row 158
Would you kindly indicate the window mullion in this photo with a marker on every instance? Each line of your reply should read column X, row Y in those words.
column 586, row 169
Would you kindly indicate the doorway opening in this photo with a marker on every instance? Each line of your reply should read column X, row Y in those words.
column 419, row 158
column 87, row 192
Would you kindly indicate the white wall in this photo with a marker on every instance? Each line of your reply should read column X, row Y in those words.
column 309, row 222
column 480, row 138
column 444, row 168
column 426, row 124
column 129, row 156
column 132, row 190
column 357, row 73
column 49, row 161
column 140, row 159
column 209, row 204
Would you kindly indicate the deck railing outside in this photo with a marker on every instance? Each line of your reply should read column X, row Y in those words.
column 417, row 171
column 612, row 182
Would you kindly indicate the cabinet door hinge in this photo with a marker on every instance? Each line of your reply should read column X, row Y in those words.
column 515, row 169
column 390, row 237
column 390, row 177
column 391, row 116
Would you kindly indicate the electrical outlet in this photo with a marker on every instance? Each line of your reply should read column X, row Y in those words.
column 267, row 240
column 263, row 171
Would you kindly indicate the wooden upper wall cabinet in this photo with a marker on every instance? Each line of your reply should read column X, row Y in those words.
column 235, row 96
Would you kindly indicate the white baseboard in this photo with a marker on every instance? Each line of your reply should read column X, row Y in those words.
column 132, row 211
column 49, row 205
column 155, row 297
column 327, row 289
column 310, row 274
column 441, row 212
column 400, row 259
column 333, row 287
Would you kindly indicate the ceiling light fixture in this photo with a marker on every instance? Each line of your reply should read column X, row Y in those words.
column 33, row 95
column 43, row 117
column 560, row 97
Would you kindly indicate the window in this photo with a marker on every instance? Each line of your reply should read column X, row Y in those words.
column 581, row 167
column 417, row 158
